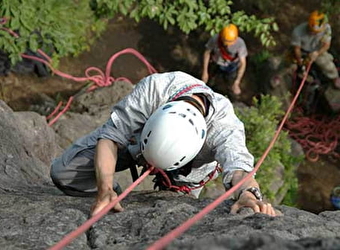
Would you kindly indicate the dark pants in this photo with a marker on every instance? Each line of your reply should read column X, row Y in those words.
column 78, row 177
column 222, row 78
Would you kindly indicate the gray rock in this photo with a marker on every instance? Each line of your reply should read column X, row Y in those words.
column 88, row 111
column 35, row 215
column 24, row 139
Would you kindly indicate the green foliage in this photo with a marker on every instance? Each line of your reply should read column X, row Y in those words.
column 70, row 26
column 188, row 15
column 64, row 26
column 331, row 7
column 260, row 122
column 258, row 59
column 268, row 7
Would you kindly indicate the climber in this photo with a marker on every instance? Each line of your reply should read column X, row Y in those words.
column 227, row 52
column 311, row 41
column 184, row 129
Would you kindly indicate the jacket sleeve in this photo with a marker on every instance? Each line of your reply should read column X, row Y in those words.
column 296, row 38
column 226, row 136
column 243, row 51
column 328, row 34
column 212, row 43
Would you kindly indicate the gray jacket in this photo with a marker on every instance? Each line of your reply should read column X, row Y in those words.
column 225, row 141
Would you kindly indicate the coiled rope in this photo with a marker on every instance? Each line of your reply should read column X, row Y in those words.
column 318, row 134
column 99, row 80
column 93, row 74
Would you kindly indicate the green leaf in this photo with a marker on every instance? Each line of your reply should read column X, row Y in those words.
column 33, row 44
column 73, row 25
column 275, row 27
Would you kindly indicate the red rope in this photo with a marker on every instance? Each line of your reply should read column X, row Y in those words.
column 3, row 21
column 99, row 79
column 161, row 243
column 317, row 134
column 61, row 112
column 164, row 241
column 54, row 111
column 84, row 227
column 185, row 90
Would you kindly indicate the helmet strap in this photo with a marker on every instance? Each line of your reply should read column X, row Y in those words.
column 193, row 102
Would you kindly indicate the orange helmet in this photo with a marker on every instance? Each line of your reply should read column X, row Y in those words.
column 229, row 34
column 317, row 21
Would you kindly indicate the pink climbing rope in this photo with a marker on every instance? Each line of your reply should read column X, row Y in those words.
column 318, row 134
column 84, row 227
column 164, row 241
column 100, row 79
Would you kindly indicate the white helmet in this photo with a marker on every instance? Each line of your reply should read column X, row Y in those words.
column 173, row 135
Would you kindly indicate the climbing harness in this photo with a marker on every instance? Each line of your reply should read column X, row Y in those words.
column 224, row 52
column 164, row 180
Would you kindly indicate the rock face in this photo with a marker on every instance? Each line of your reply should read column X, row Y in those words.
column 88, row 111
column 36, row 215
column 26, row 147
column 40, row 217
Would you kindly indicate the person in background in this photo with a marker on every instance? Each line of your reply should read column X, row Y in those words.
column 311, row 41
column 226, row 54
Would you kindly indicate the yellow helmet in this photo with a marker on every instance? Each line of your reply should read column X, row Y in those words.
column 317, row 21
column 229, row 34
